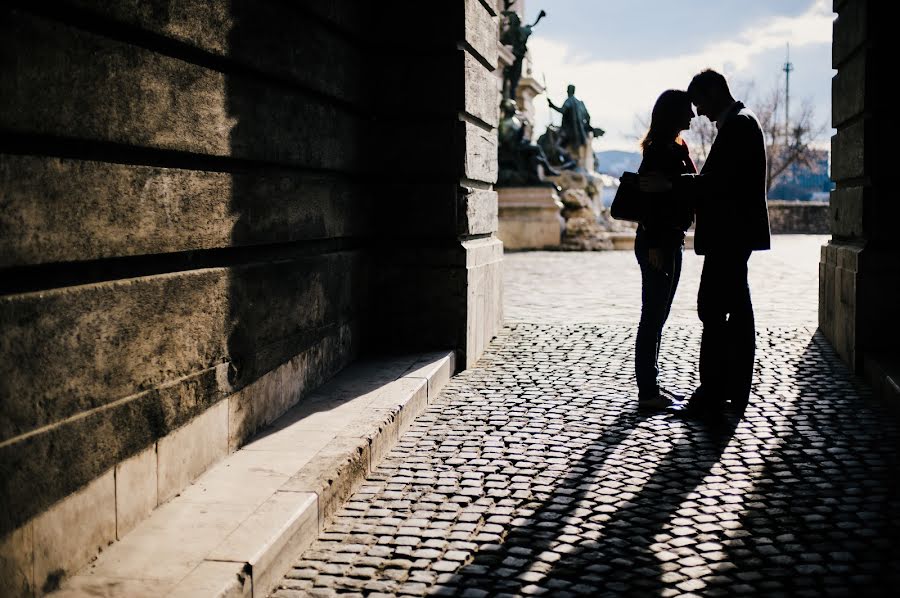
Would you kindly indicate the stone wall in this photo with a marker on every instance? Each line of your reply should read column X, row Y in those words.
column 208, row 209
column 859, row 287
column 798, row 217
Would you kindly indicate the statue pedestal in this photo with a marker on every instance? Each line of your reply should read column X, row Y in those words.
column 529, row 217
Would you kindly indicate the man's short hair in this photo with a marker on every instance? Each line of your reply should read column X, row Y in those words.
column 708, row 81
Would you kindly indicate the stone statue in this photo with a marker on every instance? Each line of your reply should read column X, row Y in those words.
column 576, row 132
column 515, row 34
column 556, row 154
column 520, row 161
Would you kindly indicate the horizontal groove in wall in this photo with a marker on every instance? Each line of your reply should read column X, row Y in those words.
column 26, row 279
column 135, row 36
column 120, row 153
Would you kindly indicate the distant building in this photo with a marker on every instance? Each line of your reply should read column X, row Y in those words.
column 804, row 183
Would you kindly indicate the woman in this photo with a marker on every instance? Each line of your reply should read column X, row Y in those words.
column 660, row 238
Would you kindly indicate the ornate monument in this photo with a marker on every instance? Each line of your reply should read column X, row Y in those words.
column 528, row 206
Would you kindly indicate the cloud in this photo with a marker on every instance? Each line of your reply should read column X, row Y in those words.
column 615, row 91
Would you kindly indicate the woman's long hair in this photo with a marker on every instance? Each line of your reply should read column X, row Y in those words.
column 664, row 121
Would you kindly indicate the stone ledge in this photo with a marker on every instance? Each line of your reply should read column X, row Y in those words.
column 237, row 528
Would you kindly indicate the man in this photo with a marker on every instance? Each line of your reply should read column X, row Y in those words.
column 732, row 221
column 575, row 130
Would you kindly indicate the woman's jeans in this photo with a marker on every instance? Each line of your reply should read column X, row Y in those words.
column 657, row 291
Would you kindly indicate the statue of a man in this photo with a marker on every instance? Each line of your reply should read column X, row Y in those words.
column 576, row 132
column 521, row 162
column 516, row 35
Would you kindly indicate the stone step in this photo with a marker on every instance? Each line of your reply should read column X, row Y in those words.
column 238, row 527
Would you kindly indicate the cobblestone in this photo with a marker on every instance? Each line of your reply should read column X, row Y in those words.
column 572, row 492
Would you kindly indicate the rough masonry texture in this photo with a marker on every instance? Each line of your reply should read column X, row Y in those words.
column 860, row 268
column 209, row 198
column 534, row 474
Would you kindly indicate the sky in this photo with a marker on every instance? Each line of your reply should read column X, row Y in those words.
column 621, row 54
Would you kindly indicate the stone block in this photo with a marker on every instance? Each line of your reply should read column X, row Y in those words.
column 481, row 31
column 254, row 407
column 271, row 538
column 170, row 544
column 437, row 368
column 17, row 562
column 136, row 495
column 484, row 295
column 849, row 95
column 47, row 215
column 60, row 348
column 848, row 152
column 247, row 477
column 189, row 451
column 479, row 153
column 73, row 531
column 218, row 579
column 85, row 585
column 45, row 467
column 482, row 92
column 477, row 211
column 849, row 31
column 243, row 117
column 529, row 217
column 277, row 40
column 846, row 212
column 333, row 474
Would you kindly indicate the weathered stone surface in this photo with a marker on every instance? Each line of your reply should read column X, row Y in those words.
column 57, row 210
column 479, row 153
column 73, row 531
column 484, row 295
column 191, row 449
column 17, row 562
column 848, row 151
column 77, row 337
column 846, row 211
column 799, row 217
column 849, row 92
column 481, row 31
column 849, row 31
column 333, row 474
column 529, row 217
column 136, row 490
column 482, row 92
column 45, row 467
column 278, row 40
column 477, row 211
column 241, row 117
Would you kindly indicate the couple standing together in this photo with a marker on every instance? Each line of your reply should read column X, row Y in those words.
column 728, row 199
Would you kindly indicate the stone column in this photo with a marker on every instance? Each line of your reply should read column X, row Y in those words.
column 438, row 263
column 859, row 284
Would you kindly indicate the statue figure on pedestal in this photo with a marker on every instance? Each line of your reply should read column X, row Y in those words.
column 516, row 35
column 520, row 161
column 576, row 132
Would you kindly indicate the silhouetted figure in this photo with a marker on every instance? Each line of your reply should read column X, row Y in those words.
column 520, row 160
column 553, row 149
column 516, row 35
column 575, row 130
column 659, row 243
column 732, row 221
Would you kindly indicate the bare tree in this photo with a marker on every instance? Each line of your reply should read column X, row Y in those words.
column 783, row 147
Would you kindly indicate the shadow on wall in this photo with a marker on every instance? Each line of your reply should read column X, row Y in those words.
column 296, row 299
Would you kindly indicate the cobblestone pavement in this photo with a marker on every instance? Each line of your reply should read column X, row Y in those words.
column 533, row 474
column 605, row 286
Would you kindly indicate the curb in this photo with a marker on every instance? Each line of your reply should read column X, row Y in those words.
column 236, row 530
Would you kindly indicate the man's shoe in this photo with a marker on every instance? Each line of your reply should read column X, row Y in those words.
column 657, row 403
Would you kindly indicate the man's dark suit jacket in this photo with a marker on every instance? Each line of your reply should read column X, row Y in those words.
column 730, row 190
